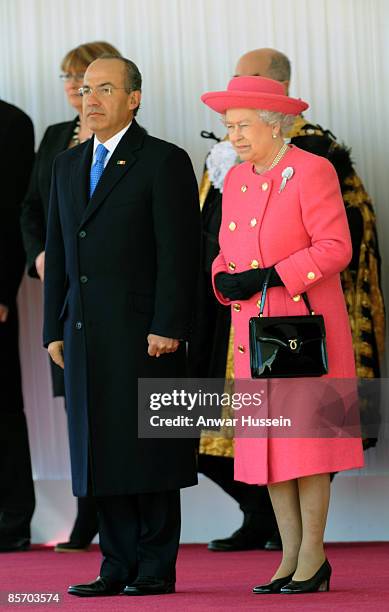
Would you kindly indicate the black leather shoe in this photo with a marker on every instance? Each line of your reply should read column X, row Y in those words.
column 274, row 543
column 319, row 582
column 148, row 585
column 18, row 545
column 239, row 540
column 98, row 588
column 71, row 547
column 272, row 587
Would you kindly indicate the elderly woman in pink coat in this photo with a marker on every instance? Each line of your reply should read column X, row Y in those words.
column 298, row 229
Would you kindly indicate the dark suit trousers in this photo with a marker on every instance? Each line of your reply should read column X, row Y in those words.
column 139, row 535
column 17, row 500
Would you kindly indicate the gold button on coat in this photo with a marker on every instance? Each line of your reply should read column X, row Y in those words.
column 243, row 188
column 265, row 186
column 254, row 264
column 241, row 348
column 297, row 298
column 311, row 275
column 253, row 222
column 231, row 265
column 232, row 226
column 237, row 307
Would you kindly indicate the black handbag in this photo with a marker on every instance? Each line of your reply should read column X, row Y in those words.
column 287, row 347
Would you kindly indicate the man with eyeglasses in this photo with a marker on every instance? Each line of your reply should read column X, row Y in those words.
column 121, row 255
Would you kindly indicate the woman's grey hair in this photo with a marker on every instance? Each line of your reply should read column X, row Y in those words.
column 132, row 75
column 272, row 118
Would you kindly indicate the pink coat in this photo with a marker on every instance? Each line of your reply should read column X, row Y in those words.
column 303, row 231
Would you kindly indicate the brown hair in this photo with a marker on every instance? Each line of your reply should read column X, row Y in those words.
column 81, row 56
column 132, row 76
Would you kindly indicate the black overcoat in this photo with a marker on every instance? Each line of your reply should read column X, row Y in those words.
column 118, row 267
column 17, row 500
column 17, row 158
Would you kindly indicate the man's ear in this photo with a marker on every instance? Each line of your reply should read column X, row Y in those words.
column 135, row 97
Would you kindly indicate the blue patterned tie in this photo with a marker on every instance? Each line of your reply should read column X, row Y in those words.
column 98, row 167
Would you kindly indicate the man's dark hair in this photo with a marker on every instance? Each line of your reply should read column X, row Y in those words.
column 132, row 76
column 279, row 68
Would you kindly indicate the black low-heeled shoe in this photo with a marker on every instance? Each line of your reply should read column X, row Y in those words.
column 272, row 587
column 318, row 583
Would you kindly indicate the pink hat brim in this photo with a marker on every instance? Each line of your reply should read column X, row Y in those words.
column 221, row 101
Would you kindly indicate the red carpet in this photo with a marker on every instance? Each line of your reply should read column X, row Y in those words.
column 207, row 581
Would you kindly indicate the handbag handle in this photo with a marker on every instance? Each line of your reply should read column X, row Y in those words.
column 264, row 293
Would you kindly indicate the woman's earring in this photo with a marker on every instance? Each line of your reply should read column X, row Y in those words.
column 274, row 135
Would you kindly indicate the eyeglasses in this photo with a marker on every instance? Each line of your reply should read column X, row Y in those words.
column 101, row 91
column 68, row 76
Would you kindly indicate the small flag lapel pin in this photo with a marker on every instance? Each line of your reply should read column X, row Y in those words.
column 121, row 162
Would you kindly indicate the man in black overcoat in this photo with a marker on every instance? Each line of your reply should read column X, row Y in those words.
column 17, row 500
column 121, row 257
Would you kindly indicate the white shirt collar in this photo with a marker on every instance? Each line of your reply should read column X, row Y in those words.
column 109, row 144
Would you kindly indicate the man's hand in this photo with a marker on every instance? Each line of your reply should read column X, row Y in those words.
column 3, row 313
column 158, row 345
column 56, row 352
column 40, row 265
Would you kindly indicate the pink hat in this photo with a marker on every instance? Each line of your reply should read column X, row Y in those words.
column 254, row 92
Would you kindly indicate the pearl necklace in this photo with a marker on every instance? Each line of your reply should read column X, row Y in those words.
column 276, row 160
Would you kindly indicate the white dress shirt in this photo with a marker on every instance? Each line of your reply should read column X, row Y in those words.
column 109, row 144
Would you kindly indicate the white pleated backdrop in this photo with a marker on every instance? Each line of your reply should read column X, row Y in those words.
column 340, row 57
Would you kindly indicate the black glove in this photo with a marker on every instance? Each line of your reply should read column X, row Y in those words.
column 243, row 285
